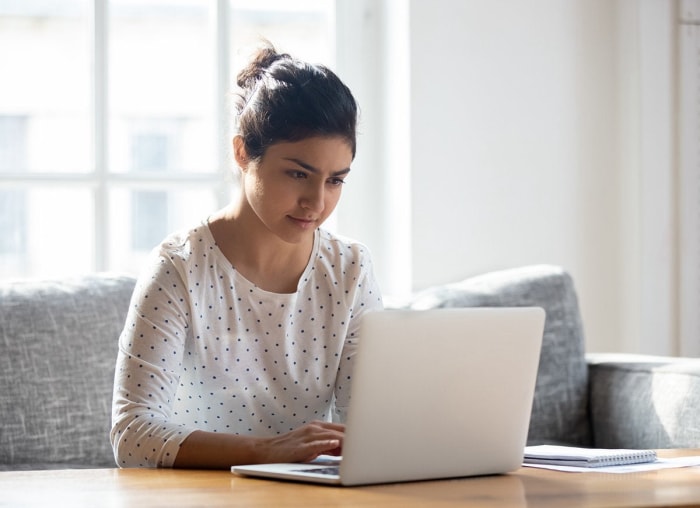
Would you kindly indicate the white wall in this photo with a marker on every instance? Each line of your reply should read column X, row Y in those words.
column 524, row 142
column 514, row 145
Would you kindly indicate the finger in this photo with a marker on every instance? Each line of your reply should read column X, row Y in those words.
column 316, row 432
column 322, row 447
column 335, row 451
column 329, row 425
column 336, row 426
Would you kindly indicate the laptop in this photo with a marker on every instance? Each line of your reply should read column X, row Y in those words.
column 440, row 393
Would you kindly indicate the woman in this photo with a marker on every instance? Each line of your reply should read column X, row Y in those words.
column 239, row 341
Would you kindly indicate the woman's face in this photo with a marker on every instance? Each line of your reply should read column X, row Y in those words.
column 295, row 186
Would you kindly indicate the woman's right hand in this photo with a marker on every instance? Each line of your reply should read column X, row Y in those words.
column 302, row 444
column 214, row 450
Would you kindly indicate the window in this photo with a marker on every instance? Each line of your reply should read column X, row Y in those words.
column 114, row 120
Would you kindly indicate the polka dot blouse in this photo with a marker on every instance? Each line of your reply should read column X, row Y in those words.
column 204, row 348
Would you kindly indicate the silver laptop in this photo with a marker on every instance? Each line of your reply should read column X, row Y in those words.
column 438, row 393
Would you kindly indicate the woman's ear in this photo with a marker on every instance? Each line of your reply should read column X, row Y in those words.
column 239, row 153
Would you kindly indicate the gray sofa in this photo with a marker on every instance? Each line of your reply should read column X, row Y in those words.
column 597, row 400
column 58, row 345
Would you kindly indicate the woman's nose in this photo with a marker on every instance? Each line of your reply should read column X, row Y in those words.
column 314, row 199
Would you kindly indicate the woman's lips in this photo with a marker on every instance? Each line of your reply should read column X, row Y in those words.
column 303, row 223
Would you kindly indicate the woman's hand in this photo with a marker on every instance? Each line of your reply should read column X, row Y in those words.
column 213, row 450
column 302, row 444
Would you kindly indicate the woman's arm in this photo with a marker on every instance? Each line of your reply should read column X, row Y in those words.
column 147, row 370
column 212, row 450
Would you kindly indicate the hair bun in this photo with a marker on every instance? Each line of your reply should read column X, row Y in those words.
column 261, row 61
column 283, row 99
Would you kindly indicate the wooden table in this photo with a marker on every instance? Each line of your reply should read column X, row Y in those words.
column 173, row 488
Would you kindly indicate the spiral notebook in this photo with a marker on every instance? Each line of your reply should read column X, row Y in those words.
column 585, row 457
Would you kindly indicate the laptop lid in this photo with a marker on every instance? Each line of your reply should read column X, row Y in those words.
column 436, row 393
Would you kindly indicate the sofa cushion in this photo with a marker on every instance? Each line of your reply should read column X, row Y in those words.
column 58, row 347
column 661, row 392
column 560, row 407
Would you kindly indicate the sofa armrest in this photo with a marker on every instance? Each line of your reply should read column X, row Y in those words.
column 641, row 401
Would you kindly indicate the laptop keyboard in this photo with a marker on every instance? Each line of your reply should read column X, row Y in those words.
column 331, row 470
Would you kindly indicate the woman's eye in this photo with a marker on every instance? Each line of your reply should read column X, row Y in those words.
column 336, row 181
column 298, row 175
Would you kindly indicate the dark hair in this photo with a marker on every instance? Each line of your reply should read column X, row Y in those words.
column 284, row 99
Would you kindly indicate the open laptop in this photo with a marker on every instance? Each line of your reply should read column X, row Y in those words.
column 440, row 393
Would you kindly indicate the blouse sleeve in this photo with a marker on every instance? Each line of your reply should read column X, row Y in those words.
column 148, row 368
column 367, row 297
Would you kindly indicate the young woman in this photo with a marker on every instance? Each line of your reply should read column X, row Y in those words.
column 240, row 337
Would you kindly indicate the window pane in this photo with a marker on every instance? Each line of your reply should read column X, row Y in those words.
column 141, row 218
column 303, row 28
column 154, row 145
column 13, row 227
column 46, row 231
column 149, row 219
column 45, row 60
column 162, row 84
column 13, row 144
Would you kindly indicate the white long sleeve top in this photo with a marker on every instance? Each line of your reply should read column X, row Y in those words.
column 204, row 348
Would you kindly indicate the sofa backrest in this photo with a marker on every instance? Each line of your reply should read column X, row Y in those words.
column 560, row 408
column 58, row 347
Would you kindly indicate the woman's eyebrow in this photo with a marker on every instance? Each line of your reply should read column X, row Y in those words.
column 312, row 169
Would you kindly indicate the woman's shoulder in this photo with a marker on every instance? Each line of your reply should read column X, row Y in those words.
column 339, row 247
column 178, row 254
column 341, row 258
column 187, row 241
column 183, row 247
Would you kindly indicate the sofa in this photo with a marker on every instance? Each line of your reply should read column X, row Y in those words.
column 603, row 400
column 58, row 345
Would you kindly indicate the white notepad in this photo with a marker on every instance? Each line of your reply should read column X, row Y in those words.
column 585, row 457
